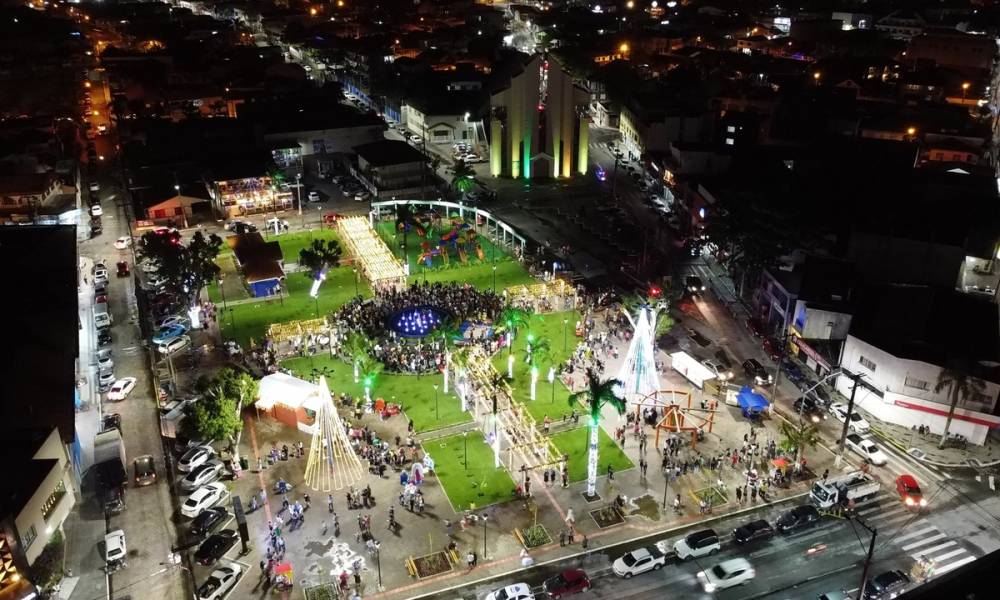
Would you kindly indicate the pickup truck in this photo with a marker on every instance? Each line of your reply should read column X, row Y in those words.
column 853, row 488
column 638, row 561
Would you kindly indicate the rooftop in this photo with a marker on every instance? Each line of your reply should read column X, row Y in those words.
column 389, row 152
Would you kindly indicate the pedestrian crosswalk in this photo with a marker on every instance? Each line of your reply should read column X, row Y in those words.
column 899, row 464
column 913, row 535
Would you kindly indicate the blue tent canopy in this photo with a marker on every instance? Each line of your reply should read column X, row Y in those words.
column 750, row 402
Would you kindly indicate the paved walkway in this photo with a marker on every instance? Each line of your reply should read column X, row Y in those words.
column 924, row 447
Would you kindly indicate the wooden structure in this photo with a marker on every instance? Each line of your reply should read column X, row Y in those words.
column 373, row 258
column 677, row 418
column 553, row 296
column 283, row 332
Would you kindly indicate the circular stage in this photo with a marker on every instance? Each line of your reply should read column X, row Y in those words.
column 417, row 321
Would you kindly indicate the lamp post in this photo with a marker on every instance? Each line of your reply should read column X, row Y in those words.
column 552, row 383
column 436, row 414
column 298, row 188
column 355, row 281
column 494, row 279
column 222, row 290
column 484, row 536
column 565, row 323
column 965, row 88
column 465, row 449
column 316, row 298
column 378, row 564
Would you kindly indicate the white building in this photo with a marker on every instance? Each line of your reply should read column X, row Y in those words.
column 447, row 118
column 902, row 337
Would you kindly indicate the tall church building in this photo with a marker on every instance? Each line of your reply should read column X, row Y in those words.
column 539, row 124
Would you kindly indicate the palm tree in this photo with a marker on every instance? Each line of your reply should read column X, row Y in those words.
column 370, row 370
column 536, row 351
column 598, row 394
column 319, row 257
column 962, row 386
column 447, row 332
column 356, row 346
column 799, row 437
column 462, row 178
column 512, row 319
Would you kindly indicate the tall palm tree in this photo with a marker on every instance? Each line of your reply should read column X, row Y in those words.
column 447, row 333
column 462, row 178
column 356, row 347
column 961, row 386
column 370, row 370
column 599, row 392
column 799, row 437
column 537, row 351
column 320, row 256
column 511, row 320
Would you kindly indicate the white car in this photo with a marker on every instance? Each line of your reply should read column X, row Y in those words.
column 114, row 546
column 202, row 498
column 220, row 582
column 206, row 472
column 270, row 223
column 171, row 320
column 518, row 591
column 314, row 196
column 858, row 423
column 123, row 242
column 416, row 139
column 101, row 275
column 867, row 449
column 639, row 561
column 174, row 345
column 105, row 364
column 122, row 388
column 195, row 457
column 96, row 210
column 149, row 267
column 721, row 372
column 737, row 571
column 105, row 380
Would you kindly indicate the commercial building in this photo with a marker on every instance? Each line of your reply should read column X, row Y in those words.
column 447, row 117
column 539, row 123
column 391, row 168
column 903, row 336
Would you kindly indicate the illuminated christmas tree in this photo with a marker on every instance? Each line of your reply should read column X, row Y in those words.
column 333, row 464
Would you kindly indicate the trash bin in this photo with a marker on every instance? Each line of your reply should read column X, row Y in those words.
column 244, row 463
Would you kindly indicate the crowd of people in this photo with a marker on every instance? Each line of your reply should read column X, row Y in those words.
column 463, row 303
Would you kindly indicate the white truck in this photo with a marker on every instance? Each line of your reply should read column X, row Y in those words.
column 849, row 489
column 102, row 318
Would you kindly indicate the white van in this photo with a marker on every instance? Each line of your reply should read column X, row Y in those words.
column 174, row 345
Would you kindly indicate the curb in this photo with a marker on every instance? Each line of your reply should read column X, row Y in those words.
column 584, row 553
column 920, row 456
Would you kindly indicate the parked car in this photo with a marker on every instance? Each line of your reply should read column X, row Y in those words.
column 517, row 591
column 111, row 421
column 165, row 334
column 123, row 242
column 858, row 423
column 101, row 275
column 104, row 338
column 416, row 139
column 886, row 585
column 216, row 546
column 570, row 581
column 195, row 457
column 105, row 381
column 314, row 196
column 172, row 320
column 867, row 449
column 122, row 388
column 754, row 531
column 721, row 372
column 207, row 520
column 697, row 544
column 755, row 327
column 909, row 491
column 175, row 345
column 792, row 371
column 757, row 372
column 122, row 268
column 115, row 549
column 202, row 498
column 105, row 362
column 273, row 222
column 206, row 472
column 144, row 470
column 639, row 561
column 797, row 518
column 220, row 582
column 733, row 572
column 808, row 407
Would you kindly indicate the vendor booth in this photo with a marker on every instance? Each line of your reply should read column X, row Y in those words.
column 290, row 400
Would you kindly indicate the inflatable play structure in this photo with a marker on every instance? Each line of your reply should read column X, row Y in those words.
column 460, row 240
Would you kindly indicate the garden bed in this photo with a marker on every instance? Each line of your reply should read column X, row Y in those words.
column 609, row 516
column 430, row 565
column 532, row 537
column 324, row 591
column 714, row 495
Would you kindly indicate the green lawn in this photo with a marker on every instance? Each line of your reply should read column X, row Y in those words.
column 550, row 327
column 478, row 485
column 574, row 444
column 414, row 394
column 251, row 319
column 477, row 272
column 291, row 243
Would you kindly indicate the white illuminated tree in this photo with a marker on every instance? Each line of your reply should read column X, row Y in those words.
column 599, row 393
column 332, row 464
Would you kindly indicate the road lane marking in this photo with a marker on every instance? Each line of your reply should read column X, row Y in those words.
column 914, row 534
column 919, row 543
column 946, row 556
column 955, row 565
column 929, row 551
column 894, row 520
column 890, row 512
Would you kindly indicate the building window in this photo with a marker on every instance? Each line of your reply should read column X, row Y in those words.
column 730, row 141
column 730, row 129
column 29, row 537
column 867, row 364
column 978, row 398
column 53, row 500
column 917, row 384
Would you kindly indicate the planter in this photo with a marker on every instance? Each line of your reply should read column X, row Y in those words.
column 533, row 537
column 325, row 591
column 609, row 516
column 430, row 565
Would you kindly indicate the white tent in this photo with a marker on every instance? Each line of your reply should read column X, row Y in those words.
column 287, row 399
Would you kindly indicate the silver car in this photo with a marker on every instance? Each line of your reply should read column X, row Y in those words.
column 206, row 472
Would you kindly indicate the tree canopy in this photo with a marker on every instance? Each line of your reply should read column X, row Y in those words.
column 320, row 256
column 186, row 269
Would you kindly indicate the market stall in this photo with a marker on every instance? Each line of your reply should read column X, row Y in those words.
column 290, row 400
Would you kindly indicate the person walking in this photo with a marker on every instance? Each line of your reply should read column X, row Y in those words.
column 611, row 473
column 739, row 495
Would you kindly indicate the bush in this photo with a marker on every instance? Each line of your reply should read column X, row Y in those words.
column 325, row 591
column 48, row 567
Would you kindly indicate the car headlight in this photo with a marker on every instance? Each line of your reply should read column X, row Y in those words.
column 923, row 502
column 709, row 587
column 908, row 501
column 703, row 288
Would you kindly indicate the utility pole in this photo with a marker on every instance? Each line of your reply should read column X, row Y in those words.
column 868, row 558
column 781, row 360
column 847, row 420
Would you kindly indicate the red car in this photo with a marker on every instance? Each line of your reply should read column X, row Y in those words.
column 909, row 491
column 122, row 268
column 568, row 582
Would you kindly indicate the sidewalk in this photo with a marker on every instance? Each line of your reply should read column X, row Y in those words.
column 924, row 447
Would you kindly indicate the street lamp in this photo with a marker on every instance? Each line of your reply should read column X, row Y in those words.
column 484, row 536
column 355, row 281
column 565, row 323
column 965, row 88
column 465, row 449
column 494, row 279
column 298, row 188
column 436, row 415
column 378, row 564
